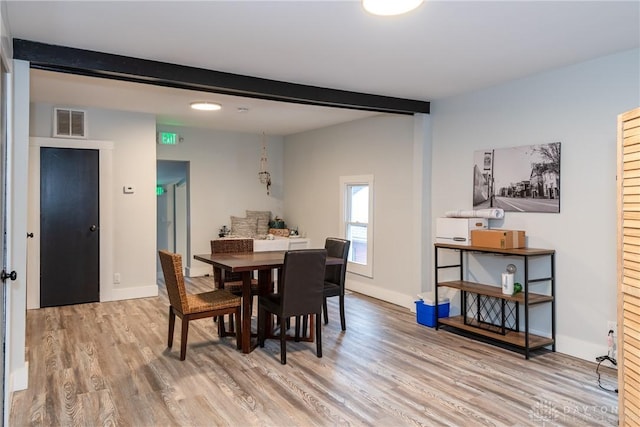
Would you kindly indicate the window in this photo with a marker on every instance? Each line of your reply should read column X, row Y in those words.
column 356, row 221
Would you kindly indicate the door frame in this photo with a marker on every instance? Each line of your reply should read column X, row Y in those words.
column 105, row 150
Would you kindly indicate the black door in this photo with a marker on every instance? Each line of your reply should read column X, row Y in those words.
column 69, row 219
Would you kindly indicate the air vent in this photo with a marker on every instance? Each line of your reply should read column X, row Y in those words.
column 69, row 123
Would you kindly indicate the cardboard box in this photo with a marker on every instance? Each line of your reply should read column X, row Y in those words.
column 499, row 239
column 426, row 311
column 457, row 231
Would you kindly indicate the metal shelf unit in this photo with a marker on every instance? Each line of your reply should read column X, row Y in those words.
column 487, row 312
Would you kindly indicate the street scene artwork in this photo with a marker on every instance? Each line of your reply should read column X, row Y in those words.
column 518, row 179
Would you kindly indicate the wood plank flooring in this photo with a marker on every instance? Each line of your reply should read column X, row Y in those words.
column 108, row 364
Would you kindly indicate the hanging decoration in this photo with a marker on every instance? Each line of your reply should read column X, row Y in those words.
column 264, row 175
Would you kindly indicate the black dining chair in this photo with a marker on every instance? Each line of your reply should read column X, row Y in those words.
column 334, row 276
column 299, row 294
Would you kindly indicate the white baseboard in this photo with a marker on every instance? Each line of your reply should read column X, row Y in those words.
column 198, row 271
column 19, row 379
column 381, row 294
column 581, row 349
column 118, row 294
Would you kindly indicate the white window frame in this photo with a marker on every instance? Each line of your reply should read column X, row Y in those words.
column 346, row 181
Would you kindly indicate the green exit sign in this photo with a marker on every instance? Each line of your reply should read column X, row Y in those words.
column 167, row 138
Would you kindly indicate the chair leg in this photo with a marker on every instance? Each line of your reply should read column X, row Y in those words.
column 305, row 325
column 238, row 329
column 231, row 325
column 172, row 324
column 324, row 310
column 261, row 325
column 297, row 336
column 318, row 336
column 343, row 323
column 183, row 337
column 221, row 327
column 283, row 341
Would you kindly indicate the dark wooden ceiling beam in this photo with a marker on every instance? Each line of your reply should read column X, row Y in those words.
column 97, row 64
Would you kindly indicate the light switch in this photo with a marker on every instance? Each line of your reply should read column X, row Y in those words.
column 128, row 189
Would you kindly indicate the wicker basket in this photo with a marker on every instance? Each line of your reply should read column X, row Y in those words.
column 283, row 232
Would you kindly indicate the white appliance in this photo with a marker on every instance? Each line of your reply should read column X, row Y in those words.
column 457, row 231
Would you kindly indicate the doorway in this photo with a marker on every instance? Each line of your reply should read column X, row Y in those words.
column 69, row 226
column 172, row 190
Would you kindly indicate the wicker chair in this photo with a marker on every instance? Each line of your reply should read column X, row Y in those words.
column 232, row 281
column 193, row 306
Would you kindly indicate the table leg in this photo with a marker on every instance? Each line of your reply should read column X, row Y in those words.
column 246, row 312
column 219, row 284
column 265, row 279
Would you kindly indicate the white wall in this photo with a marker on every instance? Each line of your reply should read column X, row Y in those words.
column 223, row 181
column 16, row 366
column 578, row 106
column 384, row 147
column 134, row 215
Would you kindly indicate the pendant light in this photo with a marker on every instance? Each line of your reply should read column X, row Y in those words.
column 264, row 175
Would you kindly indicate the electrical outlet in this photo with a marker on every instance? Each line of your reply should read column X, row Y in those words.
column 612, row 325
column 116, row 278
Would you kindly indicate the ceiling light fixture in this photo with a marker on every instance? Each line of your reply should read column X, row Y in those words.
column 205, row 106
column 390, row 7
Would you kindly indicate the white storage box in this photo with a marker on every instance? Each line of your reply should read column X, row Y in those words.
column 457, row 231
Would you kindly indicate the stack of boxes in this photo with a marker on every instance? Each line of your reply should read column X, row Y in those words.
column 476, row 232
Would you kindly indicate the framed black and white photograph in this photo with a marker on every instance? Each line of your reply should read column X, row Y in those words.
column 518, row 179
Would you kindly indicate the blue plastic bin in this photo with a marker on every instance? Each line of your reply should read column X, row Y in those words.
column 426, row 311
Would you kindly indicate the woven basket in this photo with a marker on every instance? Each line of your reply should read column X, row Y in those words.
column 283, row 232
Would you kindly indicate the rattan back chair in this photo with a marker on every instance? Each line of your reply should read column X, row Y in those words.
column 193, row 306
column 232, row 282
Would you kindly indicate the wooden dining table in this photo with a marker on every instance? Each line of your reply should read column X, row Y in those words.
column 246, row 263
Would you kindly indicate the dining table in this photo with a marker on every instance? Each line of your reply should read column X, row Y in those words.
column 246, row 263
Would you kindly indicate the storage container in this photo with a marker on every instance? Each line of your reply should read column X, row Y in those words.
column 426, row 311
column 498, row 239
column 457, row 231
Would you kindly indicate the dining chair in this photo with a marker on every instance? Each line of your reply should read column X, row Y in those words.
column 334, row 276
column 299, row 294
column 193, row 306
column 232, row 281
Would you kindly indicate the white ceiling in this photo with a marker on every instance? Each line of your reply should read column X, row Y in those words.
column 443, row 49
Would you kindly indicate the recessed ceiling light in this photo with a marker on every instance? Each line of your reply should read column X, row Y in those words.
column 390, row 7
column 205, row 106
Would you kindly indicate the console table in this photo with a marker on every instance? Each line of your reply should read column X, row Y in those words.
column 487, row 312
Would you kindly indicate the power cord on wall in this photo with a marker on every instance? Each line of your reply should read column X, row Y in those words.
column 600, row 360
column 608, row 357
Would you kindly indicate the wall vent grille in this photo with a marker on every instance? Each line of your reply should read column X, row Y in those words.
column 68, row 123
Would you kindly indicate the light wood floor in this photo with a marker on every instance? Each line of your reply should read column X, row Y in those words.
column 107, row 364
